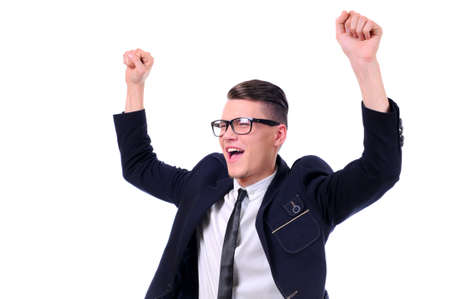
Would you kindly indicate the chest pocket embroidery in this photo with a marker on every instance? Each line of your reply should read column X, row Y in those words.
column 297, row 229
column 294, row 206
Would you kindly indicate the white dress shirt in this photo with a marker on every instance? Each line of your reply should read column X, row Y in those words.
column 252, row 277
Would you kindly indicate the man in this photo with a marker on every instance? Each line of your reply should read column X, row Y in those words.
column 247, row 225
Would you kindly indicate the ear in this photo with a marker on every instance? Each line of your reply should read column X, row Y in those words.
column 280, row 135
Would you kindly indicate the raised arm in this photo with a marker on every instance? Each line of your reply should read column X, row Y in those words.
column 364, row 180
column 140, row 165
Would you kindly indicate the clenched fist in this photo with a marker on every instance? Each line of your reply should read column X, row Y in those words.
column 358, row 36
column 139, row 64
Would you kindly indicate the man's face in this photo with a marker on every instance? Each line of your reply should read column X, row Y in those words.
column 259, row 147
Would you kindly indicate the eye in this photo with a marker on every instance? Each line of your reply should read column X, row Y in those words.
column 242, row 122
column 219, row 124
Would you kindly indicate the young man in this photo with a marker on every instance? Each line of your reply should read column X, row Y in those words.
column 247, row 225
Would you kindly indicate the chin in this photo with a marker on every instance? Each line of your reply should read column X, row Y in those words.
column 236, row 173
column 232, row 173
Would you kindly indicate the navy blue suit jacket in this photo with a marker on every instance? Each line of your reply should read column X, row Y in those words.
column 293, row 239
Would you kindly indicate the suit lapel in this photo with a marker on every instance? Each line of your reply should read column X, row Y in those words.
column 271, row 192
column 205, row 200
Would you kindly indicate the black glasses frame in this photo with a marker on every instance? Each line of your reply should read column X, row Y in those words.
column 250, row 119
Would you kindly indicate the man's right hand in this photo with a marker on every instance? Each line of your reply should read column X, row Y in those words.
column 139, row 64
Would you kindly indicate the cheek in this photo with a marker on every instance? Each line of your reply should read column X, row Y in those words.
column 266, row 151
column 258, row 153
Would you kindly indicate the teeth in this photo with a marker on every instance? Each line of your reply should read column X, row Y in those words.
column 233, row 150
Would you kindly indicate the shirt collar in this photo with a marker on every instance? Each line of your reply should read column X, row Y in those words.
column 256, row 189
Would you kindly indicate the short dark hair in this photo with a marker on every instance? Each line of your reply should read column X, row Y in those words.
column 258, row 90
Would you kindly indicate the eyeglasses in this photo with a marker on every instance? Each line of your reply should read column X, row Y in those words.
column 240, row 125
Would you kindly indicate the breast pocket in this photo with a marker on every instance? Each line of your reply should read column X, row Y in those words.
column 294, row 231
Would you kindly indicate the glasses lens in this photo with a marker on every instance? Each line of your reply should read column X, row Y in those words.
column 242, row 125
column 219, row 127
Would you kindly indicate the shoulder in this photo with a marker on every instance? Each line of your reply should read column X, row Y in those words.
column 312, row 162
column 212, row 160
column 311, row 167
column 212, row 166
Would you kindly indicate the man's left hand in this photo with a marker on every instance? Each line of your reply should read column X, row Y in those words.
column 358, row 36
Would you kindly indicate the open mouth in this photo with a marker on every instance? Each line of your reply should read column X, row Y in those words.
column 234, row 153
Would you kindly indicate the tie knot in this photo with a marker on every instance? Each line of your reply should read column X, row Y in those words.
column 242, row 193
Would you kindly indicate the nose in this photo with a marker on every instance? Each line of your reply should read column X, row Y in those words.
column 229, row 133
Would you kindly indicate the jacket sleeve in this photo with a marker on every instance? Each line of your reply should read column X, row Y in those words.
column 361, row 182
column 140, row 165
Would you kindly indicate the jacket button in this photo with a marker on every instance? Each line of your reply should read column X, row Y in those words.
column 400, row 131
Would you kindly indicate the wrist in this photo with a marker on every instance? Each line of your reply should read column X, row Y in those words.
column 364, row 66
column 135, row 87
column 367, row 72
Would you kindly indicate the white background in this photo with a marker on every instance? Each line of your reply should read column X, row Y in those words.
column 72, row 227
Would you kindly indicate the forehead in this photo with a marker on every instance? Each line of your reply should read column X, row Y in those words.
column 243, row 108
